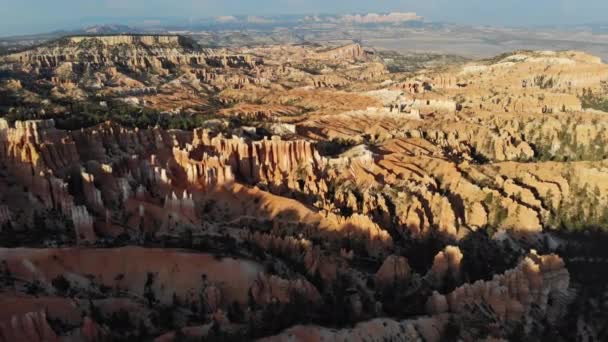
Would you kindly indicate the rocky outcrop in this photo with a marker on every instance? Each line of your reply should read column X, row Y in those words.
column 325, row 81
column 423, row 329
column 90, row 331
column 83, row 224
column 532, row 283
column 362, row 228
column 180, row 204
column 31, row 327
column 446, row 264
column 347, row 52
column 317, row 263
column 260, row 112
column 289, row 246
column 150, row 53
column 149, row 40
column 394, row 271
column 92, row 195
column 269, row 289
column 5, row 216
column 208, row 172
column 271, row 161
column 492, row 146
column 36, row 145
column 33, row 151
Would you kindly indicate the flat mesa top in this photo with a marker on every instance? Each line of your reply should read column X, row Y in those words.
column 128, row 39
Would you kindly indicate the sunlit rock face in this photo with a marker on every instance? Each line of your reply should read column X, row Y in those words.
column 446, row 264
column 394, row 270
column 533, row 282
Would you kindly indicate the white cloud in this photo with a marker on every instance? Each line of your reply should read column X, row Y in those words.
column 396, row 17
column 226, row 19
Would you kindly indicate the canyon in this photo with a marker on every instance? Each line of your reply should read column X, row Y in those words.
column 154, row 189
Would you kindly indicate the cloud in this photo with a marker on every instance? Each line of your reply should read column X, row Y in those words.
column 370, row 18
column 226, row 19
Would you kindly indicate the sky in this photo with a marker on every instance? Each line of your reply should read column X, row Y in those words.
column 37, row 16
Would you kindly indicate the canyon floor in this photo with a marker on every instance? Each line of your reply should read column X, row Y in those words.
column 153, row 189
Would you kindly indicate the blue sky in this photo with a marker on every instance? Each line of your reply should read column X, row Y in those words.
column 32, row 16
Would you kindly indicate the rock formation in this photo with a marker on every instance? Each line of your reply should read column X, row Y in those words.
column 29, row 327
column 533, row 282
column 447, row 263
column 425, row 329
column 271, row 289
column 394, row 271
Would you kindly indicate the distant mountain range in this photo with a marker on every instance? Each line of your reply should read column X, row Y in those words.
column 143, row 25
column 403, row 32
column 109, row 29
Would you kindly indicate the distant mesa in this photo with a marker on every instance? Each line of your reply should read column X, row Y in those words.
column 149, row 40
